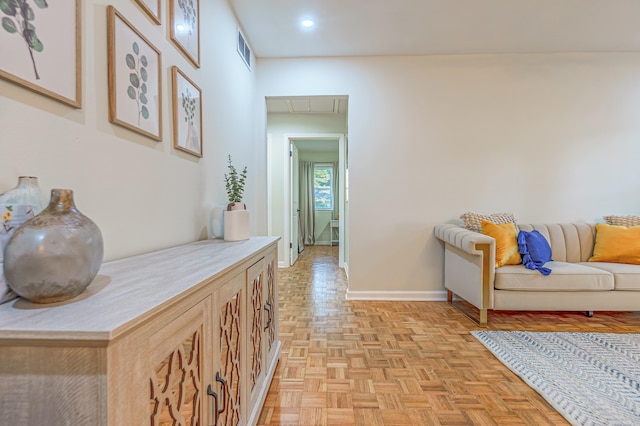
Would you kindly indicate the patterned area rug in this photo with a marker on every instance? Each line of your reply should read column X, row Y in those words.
column 590, row 378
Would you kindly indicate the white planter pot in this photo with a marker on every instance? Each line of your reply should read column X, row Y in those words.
column 236, row 225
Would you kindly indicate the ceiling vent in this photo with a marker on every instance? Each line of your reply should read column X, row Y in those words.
column 244, row 50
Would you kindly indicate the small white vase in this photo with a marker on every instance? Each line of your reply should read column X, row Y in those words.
column 217, row 223
column 236, row 225
column 27, row 192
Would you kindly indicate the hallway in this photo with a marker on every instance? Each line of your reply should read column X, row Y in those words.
column 398, row 363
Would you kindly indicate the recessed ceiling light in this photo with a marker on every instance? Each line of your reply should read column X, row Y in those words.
column 307, row 23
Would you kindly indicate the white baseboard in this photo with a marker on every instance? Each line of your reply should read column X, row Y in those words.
column 423, row 296
column 282, row 264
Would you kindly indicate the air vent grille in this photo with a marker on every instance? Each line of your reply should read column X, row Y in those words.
column 244, row 50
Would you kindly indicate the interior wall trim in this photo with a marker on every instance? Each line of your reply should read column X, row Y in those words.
column 422, row 296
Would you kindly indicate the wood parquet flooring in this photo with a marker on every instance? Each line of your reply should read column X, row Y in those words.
column 399, row 363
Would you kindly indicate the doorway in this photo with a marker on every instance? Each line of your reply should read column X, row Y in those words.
column 319, row 221
column 294, row 122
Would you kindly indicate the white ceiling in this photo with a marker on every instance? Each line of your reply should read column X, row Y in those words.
column 317, row 145
column 427, row 27
column 308, row 104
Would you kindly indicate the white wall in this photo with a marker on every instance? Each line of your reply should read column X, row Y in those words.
column 551, row 138
column 144, row 195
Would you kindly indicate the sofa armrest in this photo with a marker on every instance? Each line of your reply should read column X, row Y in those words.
column 469, row 265
column 463, row 238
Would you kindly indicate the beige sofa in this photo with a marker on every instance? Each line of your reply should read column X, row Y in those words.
column 575, row 284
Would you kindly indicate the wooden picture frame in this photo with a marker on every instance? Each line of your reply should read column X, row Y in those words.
column 187, row 114
column 135, row 83
column 184, row 28
column 151, row 8
column 48, row 60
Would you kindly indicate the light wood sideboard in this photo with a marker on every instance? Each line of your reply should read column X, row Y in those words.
column 186, row 336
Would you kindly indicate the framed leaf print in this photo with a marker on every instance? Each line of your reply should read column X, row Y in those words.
column 184, row 24
column 135, row 91
column 187, row 114
column 151, row 8
column 40, row 47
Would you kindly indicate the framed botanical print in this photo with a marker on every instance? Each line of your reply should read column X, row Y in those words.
column 135, row 91
column 187, row 114
column 151, row 8
column 184, row 24
column 40, row 47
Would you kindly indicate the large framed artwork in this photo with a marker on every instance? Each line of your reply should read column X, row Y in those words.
column 40, row 47
column 184, row 24
column 151, row 8
column 135, row 92
column 187, row 114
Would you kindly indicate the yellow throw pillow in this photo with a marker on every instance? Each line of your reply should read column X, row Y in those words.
column 506, row 236
column 617, row 244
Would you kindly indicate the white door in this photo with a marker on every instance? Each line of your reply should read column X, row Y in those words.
column 295, row 202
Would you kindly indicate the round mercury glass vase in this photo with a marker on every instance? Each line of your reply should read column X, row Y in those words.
column 26, row 192
column 55, row 255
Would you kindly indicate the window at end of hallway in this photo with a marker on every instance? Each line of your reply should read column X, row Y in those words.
column 323, row 186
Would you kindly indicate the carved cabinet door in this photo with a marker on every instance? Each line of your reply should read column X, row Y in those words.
column 179, row 374
column 228, row 391
column 255, row 341
column 271, row 323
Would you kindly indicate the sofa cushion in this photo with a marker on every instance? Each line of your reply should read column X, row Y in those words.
column 565, row 277
column 619, row 244
column 625, row 275
column 570, row 242
column 622, row 220
column 506, row 237
column 473, row 221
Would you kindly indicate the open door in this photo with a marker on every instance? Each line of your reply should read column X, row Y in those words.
column 294, row 166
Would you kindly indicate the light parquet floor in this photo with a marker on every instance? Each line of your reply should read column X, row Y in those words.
column 399, row 363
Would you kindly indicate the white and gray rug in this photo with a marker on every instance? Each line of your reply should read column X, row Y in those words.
column 590, row 378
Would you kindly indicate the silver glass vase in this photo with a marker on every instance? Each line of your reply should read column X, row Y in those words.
column 55, row 255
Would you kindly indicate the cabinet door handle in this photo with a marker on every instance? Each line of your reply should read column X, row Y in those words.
column 267, row 307
column 215, row 404
column 225, row 392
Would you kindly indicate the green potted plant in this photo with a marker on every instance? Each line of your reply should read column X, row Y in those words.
column 236, row 217
column 234, row 183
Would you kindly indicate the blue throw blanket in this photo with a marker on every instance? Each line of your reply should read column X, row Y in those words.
column 535, row 251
